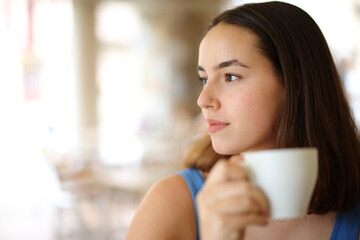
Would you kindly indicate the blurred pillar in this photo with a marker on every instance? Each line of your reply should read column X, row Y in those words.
column 356, row 5
column 179, row 27
column 85, row 69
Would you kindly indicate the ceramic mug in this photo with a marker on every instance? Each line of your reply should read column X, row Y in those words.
column 286, row 176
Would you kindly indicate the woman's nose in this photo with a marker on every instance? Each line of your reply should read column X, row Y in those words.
column 208, row 98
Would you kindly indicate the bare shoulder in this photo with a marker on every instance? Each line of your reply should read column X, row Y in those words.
column 166, row 212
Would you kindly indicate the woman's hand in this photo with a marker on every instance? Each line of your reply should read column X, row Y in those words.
column 228, row 203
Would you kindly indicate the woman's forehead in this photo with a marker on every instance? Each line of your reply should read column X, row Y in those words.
column 225, row 42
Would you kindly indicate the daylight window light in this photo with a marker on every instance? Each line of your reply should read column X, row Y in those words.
column 117, row 23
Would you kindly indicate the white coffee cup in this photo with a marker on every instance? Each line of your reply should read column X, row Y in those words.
column 286, row 176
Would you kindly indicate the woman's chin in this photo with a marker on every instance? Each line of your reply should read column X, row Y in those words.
column 223, row 150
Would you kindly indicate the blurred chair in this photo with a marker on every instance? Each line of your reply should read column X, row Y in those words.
column 83, row 204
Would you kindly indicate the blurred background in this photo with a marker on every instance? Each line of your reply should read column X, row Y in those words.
column 98, row 100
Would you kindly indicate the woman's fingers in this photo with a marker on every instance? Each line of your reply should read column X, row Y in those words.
column 236, row 158
column 225, row 171
column 219, row 227
column 233, row 191
column 228, row 180
column 228, row 202
column 238, row 205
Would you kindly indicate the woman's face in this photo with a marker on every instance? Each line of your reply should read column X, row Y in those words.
column 242, row 95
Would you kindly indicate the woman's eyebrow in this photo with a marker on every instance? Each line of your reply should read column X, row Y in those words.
column 199, row 68
column 232, row 62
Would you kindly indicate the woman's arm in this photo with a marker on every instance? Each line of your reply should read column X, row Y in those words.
column 166, row 212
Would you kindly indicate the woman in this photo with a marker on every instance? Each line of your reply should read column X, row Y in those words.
column 269, row 82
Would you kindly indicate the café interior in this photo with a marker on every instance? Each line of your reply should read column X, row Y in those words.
column 98, row 102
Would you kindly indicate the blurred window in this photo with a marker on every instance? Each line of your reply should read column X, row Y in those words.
column 119, row 30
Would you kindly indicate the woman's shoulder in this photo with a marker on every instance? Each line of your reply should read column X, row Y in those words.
column 171, row 189
column 166, row 212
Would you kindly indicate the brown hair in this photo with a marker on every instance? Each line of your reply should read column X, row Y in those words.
column 315, row 112
column 200, row 154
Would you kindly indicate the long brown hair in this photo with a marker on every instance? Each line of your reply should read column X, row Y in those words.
column 315, row 112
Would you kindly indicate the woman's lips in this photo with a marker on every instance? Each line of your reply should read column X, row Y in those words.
column 215, row 125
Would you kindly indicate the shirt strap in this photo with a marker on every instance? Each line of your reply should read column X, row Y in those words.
column 195, row 181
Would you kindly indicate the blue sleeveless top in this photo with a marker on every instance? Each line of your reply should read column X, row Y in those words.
column 195, row 181
column 346, row 225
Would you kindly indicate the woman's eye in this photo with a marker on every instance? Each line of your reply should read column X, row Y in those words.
column 203, row 80
column 231, row 77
